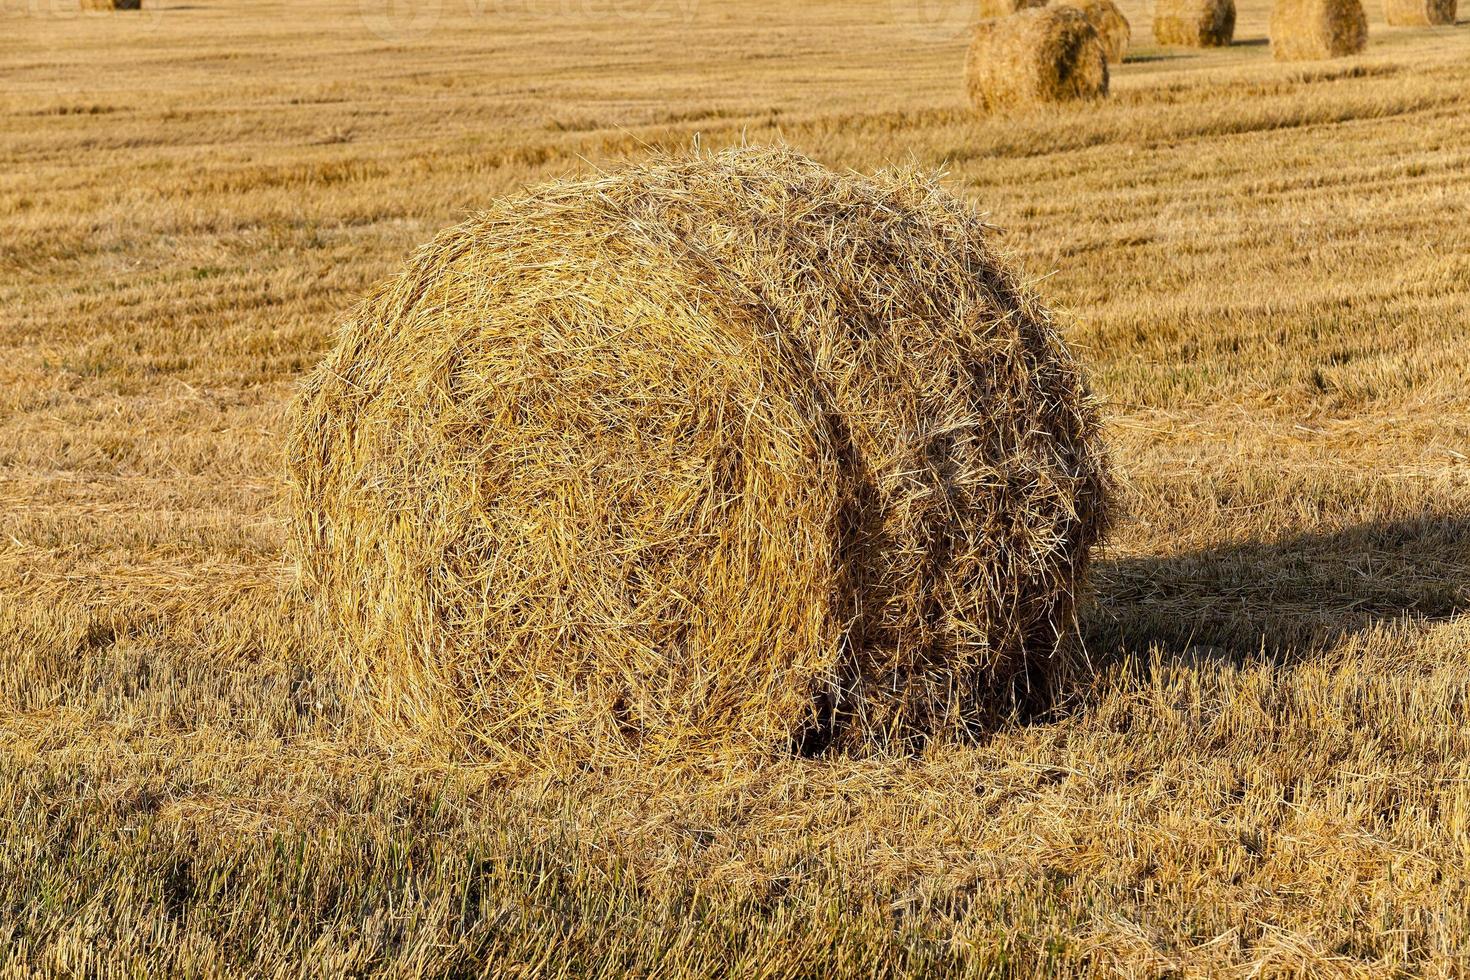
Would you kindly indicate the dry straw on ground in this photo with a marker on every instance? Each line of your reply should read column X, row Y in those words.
column 1419, row 13
column 112, row 4
column 1194, row 23
column 1111, row 26
column 727, row 451
column 1047, row 55
column 1306, row 30
column 1004, row 8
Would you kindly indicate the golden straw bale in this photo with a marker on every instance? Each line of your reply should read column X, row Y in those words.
column 1111, row 26
column 1004, row 8
column 1419, row 13
column 729, row 451
column 1050, row 54
column 1194, row 23
column 1305, row 30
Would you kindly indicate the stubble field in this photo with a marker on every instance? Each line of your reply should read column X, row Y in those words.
column 1265, row 267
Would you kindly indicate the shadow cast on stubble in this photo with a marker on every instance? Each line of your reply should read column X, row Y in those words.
column 1283, row 599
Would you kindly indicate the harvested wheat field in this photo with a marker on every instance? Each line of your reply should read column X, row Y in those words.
column 1260, row 270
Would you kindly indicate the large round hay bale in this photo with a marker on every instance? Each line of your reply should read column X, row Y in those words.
column 1419, row 13
column 1307, row 30
column 1050, row 54
column 1004, row 8
column 1111, row 26
column 1194, row 23
column 725, row 451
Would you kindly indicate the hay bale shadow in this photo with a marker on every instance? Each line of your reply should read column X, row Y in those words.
column 1280, row 600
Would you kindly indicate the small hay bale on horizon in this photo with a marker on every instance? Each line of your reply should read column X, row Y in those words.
column 1194, row 23
column 1004, row 8
column 726, row 452
column 1048, row 54
column 1111, row 26
column 1312, row 30
column 1420, row 13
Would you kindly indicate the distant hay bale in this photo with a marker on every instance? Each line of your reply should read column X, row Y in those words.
column 1051, row 54
column 1304, row 30
column 1194, row 23
column 112, row 4
column 1420, row 13
column 1111, row 26
column 731, row 451
column 1004, row 8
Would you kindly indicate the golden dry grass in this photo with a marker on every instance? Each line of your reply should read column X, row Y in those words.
column 1266, row 266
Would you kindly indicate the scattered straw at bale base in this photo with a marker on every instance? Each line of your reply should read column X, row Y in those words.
column 112, row 4
column 1004, row 8
column 1045, row 55
column 730, row 451
column 1194, row 23
column 1420, row 13
column 1111, row 26
column 1307, row 30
